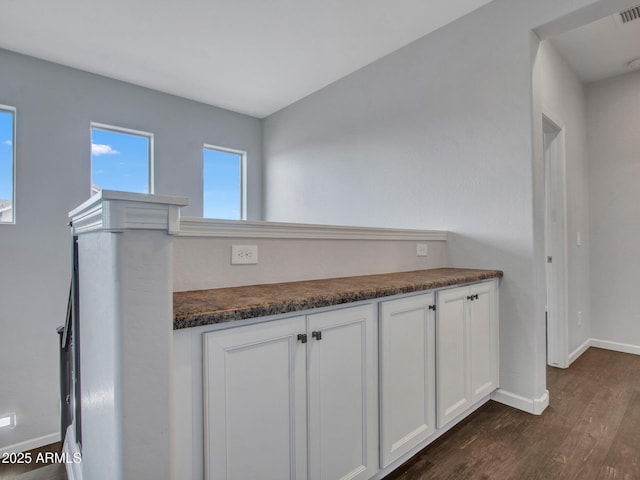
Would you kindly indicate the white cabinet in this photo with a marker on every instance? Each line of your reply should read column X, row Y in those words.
column 467, row 347
column 293, row 398
column 256, row 402
column 343, row 391
column 297, row 398
column 407, row 374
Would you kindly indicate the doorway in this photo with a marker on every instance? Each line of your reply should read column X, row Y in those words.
column 555, row 242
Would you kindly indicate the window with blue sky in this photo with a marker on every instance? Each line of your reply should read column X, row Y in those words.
column 7, row 164
column 223, row 179
column 121, row 160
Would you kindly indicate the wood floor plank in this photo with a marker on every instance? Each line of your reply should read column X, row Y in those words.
column 49, row 472
column 590, row 431
column 623, row 459
column 44, row 469
column 587, row 427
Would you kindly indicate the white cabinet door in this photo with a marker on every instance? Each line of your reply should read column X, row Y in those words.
column 467, row 347
column 342, row 378
column 483, row 322
column 255, row 402
column 453, row 362
column 407, row 374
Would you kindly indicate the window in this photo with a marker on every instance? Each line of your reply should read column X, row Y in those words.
column 121, row 159
column 7, row 163
column 224, row 183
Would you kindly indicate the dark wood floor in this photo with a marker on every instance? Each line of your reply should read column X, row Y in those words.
column 49, row 472
column 35, row 470
column 590, row 431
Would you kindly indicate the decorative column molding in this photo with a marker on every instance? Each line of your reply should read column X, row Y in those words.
column 126, row 332
column 113, row 211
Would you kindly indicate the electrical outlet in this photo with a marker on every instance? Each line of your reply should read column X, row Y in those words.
column 579, row 318
column 421, row 249
column 244, row 254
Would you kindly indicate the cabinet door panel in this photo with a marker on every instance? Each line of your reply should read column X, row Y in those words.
column 452, row 333
column 342, row 392
column 255, row 402
column 407, row 376
column 484, row 335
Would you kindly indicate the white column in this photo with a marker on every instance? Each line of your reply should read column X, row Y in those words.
column 125, row 333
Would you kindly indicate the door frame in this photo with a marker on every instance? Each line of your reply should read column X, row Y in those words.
column 556, row 279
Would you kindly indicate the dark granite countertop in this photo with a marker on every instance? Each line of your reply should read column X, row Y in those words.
column 218, row 305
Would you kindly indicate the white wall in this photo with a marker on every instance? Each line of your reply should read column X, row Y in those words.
column 126, row 354
column 55, row 106
column 437, row 135
column 564, row 100
column 201, row 263
column 101, row 367
column 613, row 120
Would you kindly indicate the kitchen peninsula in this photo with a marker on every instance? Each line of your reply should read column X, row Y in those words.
column 350, row 355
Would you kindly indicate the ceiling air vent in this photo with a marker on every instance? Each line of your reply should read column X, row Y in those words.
column 628, row 15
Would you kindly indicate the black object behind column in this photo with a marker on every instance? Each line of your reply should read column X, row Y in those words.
column 70, row 357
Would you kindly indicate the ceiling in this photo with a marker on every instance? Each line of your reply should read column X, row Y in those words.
column 600, row 49
column 250, row 56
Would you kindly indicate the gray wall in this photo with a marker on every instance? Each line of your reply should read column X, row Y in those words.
column 55, row 106
column 438, row 135
column 564, row 100
column 613, row 119
column 201, row 263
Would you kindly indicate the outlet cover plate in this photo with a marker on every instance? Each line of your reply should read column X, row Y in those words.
column 244, row 254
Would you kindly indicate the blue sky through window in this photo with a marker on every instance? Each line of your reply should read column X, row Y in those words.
column 6, row 155
column 222, row 185
column 120, row 161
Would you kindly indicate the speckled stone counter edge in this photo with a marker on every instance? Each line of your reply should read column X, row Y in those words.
column 296, row 303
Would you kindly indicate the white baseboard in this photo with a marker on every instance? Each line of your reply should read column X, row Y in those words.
column 616, row 346
column 573, row 356
column 31, row 444
column 537, row 405
column 530, row 405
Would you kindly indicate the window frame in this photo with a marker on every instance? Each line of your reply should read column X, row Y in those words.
column 126, row 131
column 14, row 115
column 243, row 175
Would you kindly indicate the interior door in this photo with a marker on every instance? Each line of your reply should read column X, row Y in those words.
column 555, row 245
